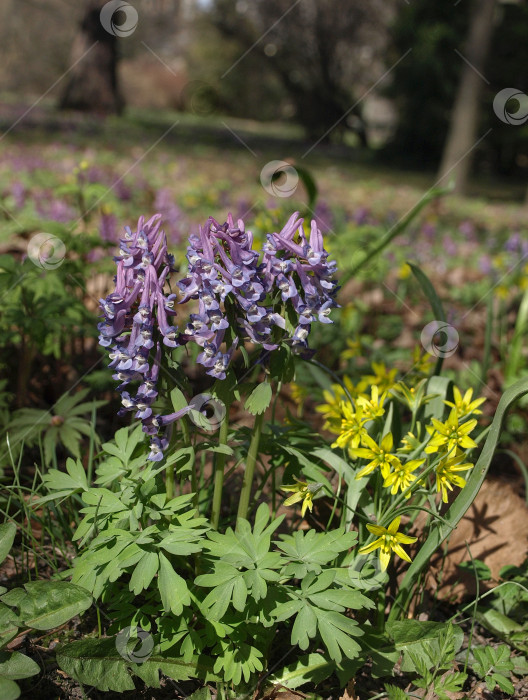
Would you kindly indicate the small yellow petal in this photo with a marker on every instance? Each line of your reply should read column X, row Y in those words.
column 384, row 559
column 401, row 552
column 376, row 529
column 366, row 549
column 393, row 527
column 293, row 499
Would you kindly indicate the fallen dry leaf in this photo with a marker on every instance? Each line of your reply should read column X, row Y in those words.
column 350, row 691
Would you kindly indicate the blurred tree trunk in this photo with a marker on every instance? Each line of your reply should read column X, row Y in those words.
column 462, row 135
column 92, row 85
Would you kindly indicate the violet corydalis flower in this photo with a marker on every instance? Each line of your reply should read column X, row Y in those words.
column 138, row 322
column 248, row 295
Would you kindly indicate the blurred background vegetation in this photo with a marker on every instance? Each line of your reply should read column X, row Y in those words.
column 373, row 78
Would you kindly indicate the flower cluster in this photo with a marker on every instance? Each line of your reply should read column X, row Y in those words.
column 137, row 321
column 350, row 414
column 266, row 297
column 243, row 297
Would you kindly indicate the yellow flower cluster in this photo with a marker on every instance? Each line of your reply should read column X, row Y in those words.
column 348, row 410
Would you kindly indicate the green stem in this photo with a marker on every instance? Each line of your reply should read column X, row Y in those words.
column 169, row 482
column 219, row 472
column 245, row 493
column 394, row 231
column 169, row 476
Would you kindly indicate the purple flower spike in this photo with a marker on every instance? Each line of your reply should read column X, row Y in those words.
column 135, row 324
column 291, row 271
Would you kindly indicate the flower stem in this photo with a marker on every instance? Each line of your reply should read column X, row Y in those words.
column 169, row 482
column 219, row 472
column 169, row 476
column 250, row 467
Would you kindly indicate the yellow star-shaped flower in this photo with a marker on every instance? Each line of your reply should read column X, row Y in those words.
column 451, row 434
column 402, row 476
column 446, row 474
column 352, row 427
column 379, row 455
column 463, row 404
column 389, row 540
column 302, row 491
column 373, row 407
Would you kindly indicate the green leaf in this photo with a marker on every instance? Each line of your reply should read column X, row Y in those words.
column 436, row 305
column 144, row 572
column 311, row 668
column 504, row 683
column 441, row 389
column 305, row 627
column 49, row 604
column 73, row 480
column 310, row 550
column 476, row 567
column 9, row 624
column 183, row 459
column 492, row 664
column 337, row 631
column 408, row 632
column 7, row 536
column 259, row 399
column 97, row 662
column 429, row 291
column 9, row 690
column 520, row 665
column 309, row 184
column 15, row 666
column 421, row 640
column 172, row 587
column 178, row 399
column 395, row 693
column 498, row 623
column 201, row 694
column 449, row 683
